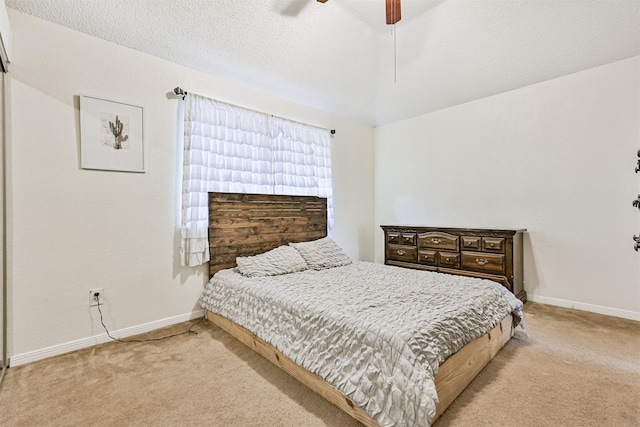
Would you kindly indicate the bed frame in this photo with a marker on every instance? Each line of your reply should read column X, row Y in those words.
column 249, row 224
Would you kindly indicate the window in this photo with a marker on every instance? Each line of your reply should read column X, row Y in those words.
column 236, row 150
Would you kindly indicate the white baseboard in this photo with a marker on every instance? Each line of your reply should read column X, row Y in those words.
column 32, row 356
column 625, row 314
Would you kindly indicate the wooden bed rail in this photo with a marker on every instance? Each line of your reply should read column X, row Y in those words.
column 454, row 375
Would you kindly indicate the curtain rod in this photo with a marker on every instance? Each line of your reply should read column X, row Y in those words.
column 181, row 92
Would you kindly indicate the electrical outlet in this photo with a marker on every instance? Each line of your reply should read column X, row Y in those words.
column 96, row 295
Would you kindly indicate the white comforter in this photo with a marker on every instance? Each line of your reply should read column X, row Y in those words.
column 376, row 333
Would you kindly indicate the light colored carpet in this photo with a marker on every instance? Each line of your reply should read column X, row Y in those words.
column 575, row 369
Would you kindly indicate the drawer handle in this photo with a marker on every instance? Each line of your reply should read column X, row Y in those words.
column 492, row 245
column 469, row 243
column 447, row 259
column 436, row 241
column 481, row 261
column 401, row 252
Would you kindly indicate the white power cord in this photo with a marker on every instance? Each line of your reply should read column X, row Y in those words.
column 4, row 369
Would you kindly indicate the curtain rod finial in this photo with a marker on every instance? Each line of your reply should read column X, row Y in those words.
column 179, row 91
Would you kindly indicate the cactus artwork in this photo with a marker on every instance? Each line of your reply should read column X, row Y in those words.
column 111, row 136
column 116, row 129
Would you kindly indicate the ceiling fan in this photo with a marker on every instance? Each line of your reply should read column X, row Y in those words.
column 393, row 11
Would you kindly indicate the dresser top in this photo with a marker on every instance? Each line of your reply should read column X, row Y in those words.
column 411, row 228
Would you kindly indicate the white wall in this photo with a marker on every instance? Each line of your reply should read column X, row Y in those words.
column 72, row 229
column 3, row 290
column 556, row 158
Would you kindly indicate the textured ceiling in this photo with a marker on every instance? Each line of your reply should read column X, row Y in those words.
column 339, row 56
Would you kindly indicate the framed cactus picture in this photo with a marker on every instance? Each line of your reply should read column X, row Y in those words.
column 111, row 135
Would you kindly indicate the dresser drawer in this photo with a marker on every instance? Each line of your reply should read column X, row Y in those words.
column 407, row 239
column 470, row 242
column 449, row 259
column 483, row 262
column 493, row 244
column 427, row 257
column 438, row 240
column 393, row 238
column 401, row 253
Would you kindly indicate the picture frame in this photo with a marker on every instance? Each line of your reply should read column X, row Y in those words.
column 111, row 135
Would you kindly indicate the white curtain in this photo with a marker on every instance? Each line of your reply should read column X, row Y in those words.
column 302, row 161
column 235, row 150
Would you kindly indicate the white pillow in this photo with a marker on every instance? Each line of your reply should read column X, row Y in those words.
column 322, row 253
column 281, row 260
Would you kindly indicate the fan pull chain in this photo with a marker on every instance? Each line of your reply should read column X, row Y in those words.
column 395, row 54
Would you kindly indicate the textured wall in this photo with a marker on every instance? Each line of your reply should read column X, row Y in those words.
column 555, row 158
column 73, row 229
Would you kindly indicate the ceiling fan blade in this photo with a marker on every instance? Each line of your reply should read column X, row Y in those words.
column 393, row 11
column 292, row 7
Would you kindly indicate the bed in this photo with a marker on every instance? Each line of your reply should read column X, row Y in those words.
column 367, row 337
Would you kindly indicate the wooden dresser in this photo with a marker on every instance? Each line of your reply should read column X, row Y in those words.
column 485, row 253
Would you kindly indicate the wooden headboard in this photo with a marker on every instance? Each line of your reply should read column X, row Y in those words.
column 249, row 224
